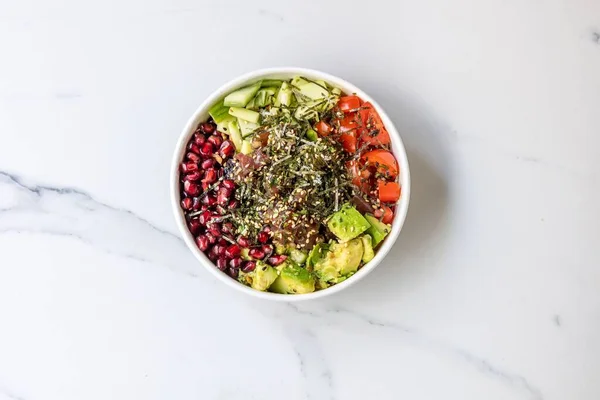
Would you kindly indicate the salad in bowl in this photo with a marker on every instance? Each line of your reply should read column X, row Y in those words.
column 289, row 186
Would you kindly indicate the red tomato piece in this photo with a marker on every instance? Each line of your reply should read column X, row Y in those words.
column 348, row 141
column 375, row 133
column 349, row 103
column 360, row 177
column 389, row 192
column 323, row 128
column 385, row 213
column 384, row 160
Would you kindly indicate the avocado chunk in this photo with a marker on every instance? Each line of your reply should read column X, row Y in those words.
column 368, row 253
column 263, row 276
column 347, row 223
column 341, row 260
column 378, row 230
column 316, row 254
column 293, row 280
column 298, row 256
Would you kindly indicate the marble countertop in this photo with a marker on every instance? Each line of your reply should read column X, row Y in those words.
column 491, row 292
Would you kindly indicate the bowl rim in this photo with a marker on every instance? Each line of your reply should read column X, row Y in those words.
column 397, row 149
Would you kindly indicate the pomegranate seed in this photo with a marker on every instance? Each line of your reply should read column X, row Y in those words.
column 203, row 207
column 191, row 188
column 193, row 176
column 216, row 140
column 188, row 167
column 235, row 262
column 249, row 266
column 268, row 249
column 223, row 196
column 193, row 157
column 194, row 226
column 219, row 249
column 221, row 263
column 196, row 203
column 207, row 149
column 205, row 217
column 186, row 203
column 233, row 204
column 223, row 242
column 227, row 227
column 227, row 149
column 267, row 229
column 276, row 259
column 233, row 272
column 209, row 200
column 202, row 242
column 243, row 241
column 211, row 238
column 193, row 147
column 256, row 253
column 209, row 162
column 205, row 186
column 229, row 184
column 262, row 237
column 199, row 139
column 212, row 256
column 214, row 230
column 233, row 251
column 210, row 175
column 207, row 127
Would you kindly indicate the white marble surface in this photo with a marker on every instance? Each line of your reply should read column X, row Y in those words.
column 492, row 291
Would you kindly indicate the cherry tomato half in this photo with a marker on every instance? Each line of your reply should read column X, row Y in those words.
column 349, row 103
column 385, row 161
column 389, row 192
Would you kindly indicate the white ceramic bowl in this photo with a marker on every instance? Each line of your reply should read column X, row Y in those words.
column 201, row 115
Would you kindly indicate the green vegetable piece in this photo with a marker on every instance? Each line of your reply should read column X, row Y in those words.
column 223, row 126
column 244, row 254
column 316, row 254
column 313, row 91
column 264, row 97
column 298, row 81
column 263, row 276
column 249, row 106
column 241, row 97
column 321, row 83
column 311, row 135
column 284, row 95
column 341, row 260
column 219, row 112
column 368, row 252
column 298, row 256
column 242, row 113
column 247, row 128
column 293, row 280
column 247, row 147
column 271, row 82
column 235, row 134
column 347, row 223
column 378, row 229
column 270, row 90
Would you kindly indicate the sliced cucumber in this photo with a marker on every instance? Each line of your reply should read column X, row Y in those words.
column 284, row 96
column 242, row 96
column 311, row 135
column 305, row 113
column 336, row 91
column 272, row 90
column 322, row 83
column 313, row 91
column 235, row 134
column 219, row 112
column 247, row 128
column 298, row 81
column 247, row 147
column 271, row 82
column 250, row 106
column 263, row 98
column 244, row 114
column 223, row 126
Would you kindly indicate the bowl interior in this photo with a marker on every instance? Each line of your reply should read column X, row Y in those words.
column 201, row 115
